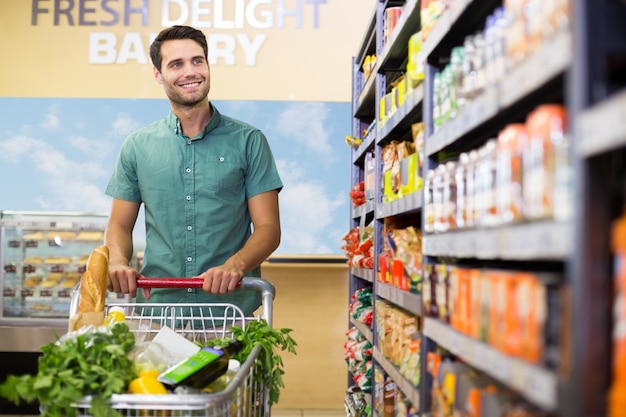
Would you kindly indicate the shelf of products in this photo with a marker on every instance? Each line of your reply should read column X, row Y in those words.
column 535, row 383
column 549, row 61
column 363, row 328
column 366, row 274
column 402, row 298
column 546, row 240
column 410, row 391
column 520, row 114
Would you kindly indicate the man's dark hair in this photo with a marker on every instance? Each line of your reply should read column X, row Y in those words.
column 174, row 33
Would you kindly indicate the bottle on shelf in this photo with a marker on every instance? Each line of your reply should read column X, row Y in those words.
column 617, row 392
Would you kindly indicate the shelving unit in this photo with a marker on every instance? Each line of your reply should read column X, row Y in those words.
column 580, row 67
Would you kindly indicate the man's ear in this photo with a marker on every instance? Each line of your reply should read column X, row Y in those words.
column 157, row 75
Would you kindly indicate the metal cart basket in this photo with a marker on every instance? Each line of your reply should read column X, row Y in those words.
column 244, row 396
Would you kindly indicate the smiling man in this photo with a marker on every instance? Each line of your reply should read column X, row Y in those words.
column 208, row 183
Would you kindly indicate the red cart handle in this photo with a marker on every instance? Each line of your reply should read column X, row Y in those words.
column 143, row 282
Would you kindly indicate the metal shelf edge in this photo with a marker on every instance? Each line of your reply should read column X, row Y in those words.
column 407, row 300
column 533, row 240
column 411, row 392
column 535, row 383
column 602, row 127
column 363, row 328
column 364, row 273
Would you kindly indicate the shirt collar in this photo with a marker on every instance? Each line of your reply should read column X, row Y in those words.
column 174, row 123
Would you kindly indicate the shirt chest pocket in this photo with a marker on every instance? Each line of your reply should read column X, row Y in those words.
column 222, row 175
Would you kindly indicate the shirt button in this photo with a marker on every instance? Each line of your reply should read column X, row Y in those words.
column 189, row 227
column 188, row 142
column 189, row 289
column 188, row 170
column 189, row 259
column 188, row 197
column 221, row 159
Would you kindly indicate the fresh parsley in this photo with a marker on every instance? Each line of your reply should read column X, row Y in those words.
column 93, row 363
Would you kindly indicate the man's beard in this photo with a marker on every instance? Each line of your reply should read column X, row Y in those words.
column 183, row 100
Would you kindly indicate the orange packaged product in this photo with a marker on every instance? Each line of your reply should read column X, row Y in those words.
column 475, row 318
column 544, row 123
column 453, row 295
column 441, row 293
column 535, row 303
column 509, row 199
column 462, row 300
column 617, row 392
column 495, row 321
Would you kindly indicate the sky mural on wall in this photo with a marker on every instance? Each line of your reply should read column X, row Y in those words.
column 57, row 155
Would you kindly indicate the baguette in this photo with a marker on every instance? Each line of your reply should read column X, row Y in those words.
column 93, row 282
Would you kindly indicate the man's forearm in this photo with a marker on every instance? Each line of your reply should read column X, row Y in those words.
column 263, row 241
column 120, row 244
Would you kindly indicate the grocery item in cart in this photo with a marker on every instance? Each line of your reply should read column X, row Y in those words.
column 93, row 285
column 202, row 368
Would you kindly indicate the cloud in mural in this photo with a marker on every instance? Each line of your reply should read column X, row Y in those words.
column 68, row 185
column 307, row 212
column 304, row 124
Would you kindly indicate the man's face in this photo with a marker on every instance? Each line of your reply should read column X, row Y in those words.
column 185, row 74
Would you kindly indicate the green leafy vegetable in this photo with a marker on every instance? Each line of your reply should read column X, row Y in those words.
column 93, row 363
column 271, row 340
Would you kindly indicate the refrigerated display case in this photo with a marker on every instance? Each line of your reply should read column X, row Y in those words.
column 43, row 256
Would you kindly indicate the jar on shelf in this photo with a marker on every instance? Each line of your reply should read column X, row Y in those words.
column 456, row 82
column 460, row 178
column 489, row 207
column 429, row 204
column 450, row 194
column 509, row 173
column 545, row 123
column 470, row 187
column 441, row 224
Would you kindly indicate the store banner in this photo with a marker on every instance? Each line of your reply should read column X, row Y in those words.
column 258, row 49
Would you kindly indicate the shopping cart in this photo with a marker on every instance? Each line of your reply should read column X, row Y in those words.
column 244, row 396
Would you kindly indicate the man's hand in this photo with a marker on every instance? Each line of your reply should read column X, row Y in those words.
column 221, row 279
column 123, row 279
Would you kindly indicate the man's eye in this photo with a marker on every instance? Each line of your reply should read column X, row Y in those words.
column 198, row 61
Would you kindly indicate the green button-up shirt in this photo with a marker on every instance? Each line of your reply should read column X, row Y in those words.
column 194, row 192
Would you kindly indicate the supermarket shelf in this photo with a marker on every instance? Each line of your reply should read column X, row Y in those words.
column 404, row 116
column 366, row 145
column 363, row 328
column 366, row 100
column 553, row 58
column 404, row 205
column 364, row 273
column 363, row 209
column 542, row 240
column 602, row 128
column 410, row 392
column 535, row 383
column 448, row 18
column 480, row 111
column 402, row 298
column 394, row 54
